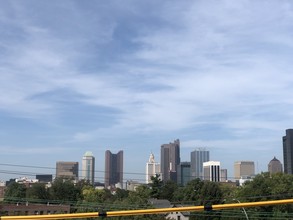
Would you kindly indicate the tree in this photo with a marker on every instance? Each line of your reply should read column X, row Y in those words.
column 168, row 190
column 156, row 186
column 192, row 192
column 64, row 190
column 15, row 192
column 38, row 191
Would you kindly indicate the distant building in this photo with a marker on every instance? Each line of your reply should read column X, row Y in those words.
column 2, row 192
column 152, row 168
column 183, row 173
column 288, row 151
column 211, row 170
column 132, row 185
column 68, row 170
column 113, row 168
column 88, row 167
column 223, row 175
column 243, row 169
column 44, row 178
column 275, row 166
column 197, row 158
column 170, row 159
column 32, row 209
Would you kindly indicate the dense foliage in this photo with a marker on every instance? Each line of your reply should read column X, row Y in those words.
column 85, row 198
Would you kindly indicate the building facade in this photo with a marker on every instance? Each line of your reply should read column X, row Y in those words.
column 152, row 168
column 113, row 168
column 183, row 173
column 88, row 167
column 68, row 170
column 243, row 169
column 275, row 166
column 197, row 158
column 211, row 170
column 170, row 159
column 224, row 175
column 288, row 151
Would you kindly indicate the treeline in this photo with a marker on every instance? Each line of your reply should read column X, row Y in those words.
column 85, row 198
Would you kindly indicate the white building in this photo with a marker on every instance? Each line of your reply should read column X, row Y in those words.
column 211, row 171
column 88, row 167
column 152, row 168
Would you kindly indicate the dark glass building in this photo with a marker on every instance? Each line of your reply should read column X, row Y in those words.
column 113, row 168
column 44, row 178
column 183, row 173
column 170, row 159
column 288, row 151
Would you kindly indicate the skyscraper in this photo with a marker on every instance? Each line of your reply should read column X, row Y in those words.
column 275, row 166
column 183, row 173
column 197, row 158
column 68, row 170
column 113, row 168
column 211, row 170
column 152, row 168
column 288, row 151
column 170, row 158
column 243, row 169
column 88, row 167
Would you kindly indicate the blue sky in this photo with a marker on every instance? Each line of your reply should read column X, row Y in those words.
column 79, row 76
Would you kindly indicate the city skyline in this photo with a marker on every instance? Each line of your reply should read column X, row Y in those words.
column 91, row 76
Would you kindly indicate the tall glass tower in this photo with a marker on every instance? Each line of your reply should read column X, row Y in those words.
column 88, row 167
column 197, row 158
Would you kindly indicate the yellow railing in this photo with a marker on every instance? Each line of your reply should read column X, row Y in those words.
column 149, row 211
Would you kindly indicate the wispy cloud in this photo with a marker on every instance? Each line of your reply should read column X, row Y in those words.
column 102, row 70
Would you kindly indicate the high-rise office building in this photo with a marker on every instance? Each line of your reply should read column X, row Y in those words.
column 243, row 169
column 88, row 167
column 68, row 170
column 170, row 159
column 288, row 151
column 275, row 166
column 211, row 171
column 197, row 158
column 113, row 168
column 152, row 168
column 183, row 173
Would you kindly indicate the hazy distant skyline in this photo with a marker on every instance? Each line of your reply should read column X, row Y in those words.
column 79, row 76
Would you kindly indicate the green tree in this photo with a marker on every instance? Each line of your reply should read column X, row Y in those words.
column 15, row 192
column 168, row 190
column 39, row 192
column 64, row 190
column 156, row 186
column 192, row 192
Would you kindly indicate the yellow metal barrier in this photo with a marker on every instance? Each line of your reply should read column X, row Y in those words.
column 149, row 211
